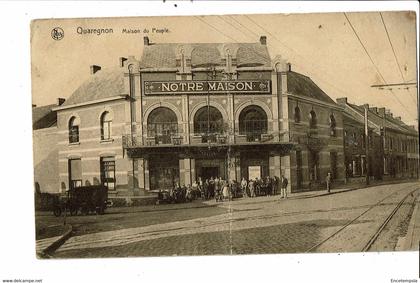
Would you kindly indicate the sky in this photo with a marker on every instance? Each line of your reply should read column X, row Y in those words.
column 344, row 54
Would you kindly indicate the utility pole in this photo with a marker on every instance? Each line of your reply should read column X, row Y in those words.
column 210, row 76
column 367, row 143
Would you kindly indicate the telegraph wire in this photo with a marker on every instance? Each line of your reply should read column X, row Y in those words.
column 232, row 25
column 373, row 63
column 216, row 29
column 392, row 47
column 395, row 55
column 262, row 28
column 313, row 75
column 364, row 48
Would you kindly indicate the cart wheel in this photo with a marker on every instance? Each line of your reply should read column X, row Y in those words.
column 85, row 211
column 73, row 211
column 57, row 211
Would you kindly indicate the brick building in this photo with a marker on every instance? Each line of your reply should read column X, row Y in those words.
column 393, row 145
column 185, row 111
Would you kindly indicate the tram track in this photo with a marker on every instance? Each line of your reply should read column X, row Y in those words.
column 378, row 231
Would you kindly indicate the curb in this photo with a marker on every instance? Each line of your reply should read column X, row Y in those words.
column 406, row 242
column 46, row 252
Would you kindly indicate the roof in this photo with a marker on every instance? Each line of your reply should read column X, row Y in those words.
column 102, row 84
column 302, row 85
column 163, row 55
column 43, row 117
column 391, row 123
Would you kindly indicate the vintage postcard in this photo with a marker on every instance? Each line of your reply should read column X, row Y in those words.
column 225, row 134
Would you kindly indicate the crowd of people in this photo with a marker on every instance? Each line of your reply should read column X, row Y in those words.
column 222, row 190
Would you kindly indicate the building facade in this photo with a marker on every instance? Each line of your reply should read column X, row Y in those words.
column 188, row 111
column 392, row 145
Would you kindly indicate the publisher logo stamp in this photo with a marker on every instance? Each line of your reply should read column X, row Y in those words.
column 57, row 33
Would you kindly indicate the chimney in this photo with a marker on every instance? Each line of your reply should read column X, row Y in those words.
column 374, row 110
column 263, row 40
column 289, row 67
column 381, row 111
column 388, row 112
column 365, row 106
column 122, row 60
column 33, row 105
column 146, row 40
column 60, row 101
column 94, row 69
column 342, row 100
column 398, row 118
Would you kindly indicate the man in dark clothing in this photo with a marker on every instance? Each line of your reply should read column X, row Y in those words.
column 284, row 183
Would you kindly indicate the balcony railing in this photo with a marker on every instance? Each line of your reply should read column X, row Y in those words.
column 134, row 141
column 203, row 138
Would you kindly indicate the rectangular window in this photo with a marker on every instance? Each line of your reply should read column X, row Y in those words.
column 73, row 134
column 108, row 172
column 75, row 173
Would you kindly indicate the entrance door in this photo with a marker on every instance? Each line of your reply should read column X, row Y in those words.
column 208, row 172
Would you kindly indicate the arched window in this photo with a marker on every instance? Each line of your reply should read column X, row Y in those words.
column 253, row 122
column 106, row 123
column 297, row 114
column 312, row 120
column 333, row 125
column 74, row 130
column 208, row 120
column 162, row 124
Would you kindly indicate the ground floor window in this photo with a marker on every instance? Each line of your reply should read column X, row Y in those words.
column 164, row 172
column 356, row 166
column 108, row 172
column 313, row 164
column 75, row 173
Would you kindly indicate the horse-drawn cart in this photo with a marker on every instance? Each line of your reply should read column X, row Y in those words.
column 83, row 199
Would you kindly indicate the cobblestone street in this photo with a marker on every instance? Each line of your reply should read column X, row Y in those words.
column 243, row 226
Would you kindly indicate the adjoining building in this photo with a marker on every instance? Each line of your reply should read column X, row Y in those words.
column 189, row 111
column 392, row 145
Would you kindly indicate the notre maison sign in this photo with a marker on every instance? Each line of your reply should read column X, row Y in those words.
column 205, row 87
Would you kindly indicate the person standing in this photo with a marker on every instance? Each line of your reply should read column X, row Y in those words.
column 244, row 184
column 274, row 185
column 328, row 182
column 206, row 189
column 284, row 183
column 268, row 185
column 251, row 188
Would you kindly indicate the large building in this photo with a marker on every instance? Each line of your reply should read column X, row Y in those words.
column 188, row 111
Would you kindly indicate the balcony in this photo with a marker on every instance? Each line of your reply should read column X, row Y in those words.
column 202, row 139
column 250, row 137
column 209, row 138
column 160, row 140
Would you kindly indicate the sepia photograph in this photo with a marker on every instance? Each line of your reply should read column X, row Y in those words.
column 236, row 134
